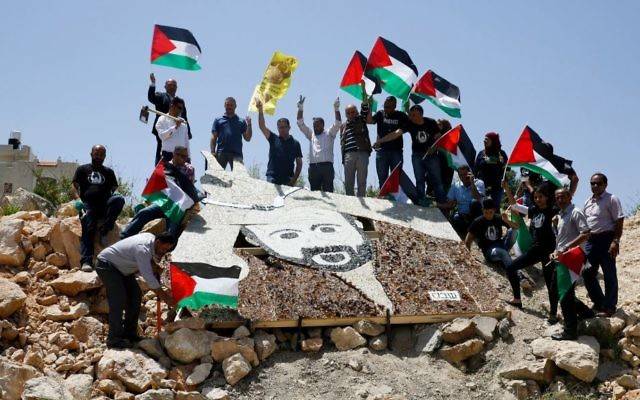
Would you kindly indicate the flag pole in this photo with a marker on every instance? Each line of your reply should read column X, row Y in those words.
column 158, row 317
column 438, row 140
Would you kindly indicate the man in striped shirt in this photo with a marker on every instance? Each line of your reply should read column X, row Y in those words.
column 321, row 172
column 356, row 148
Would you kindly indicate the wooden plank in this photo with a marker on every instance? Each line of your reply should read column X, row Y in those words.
column 324, row 322
column 373, row 235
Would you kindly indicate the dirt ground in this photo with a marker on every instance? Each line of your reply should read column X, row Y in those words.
column 327, row 375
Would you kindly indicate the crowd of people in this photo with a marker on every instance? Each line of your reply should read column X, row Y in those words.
column 473, row 203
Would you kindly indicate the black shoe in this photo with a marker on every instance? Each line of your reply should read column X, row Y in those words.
column 119, row 344
column 564, row 335
column 588, row 314
column 514, row 303
column 552, row 320
column 134, row 338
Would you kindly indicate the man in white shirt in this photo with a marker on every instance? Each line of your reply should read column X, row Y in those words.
column 321, row 172
column 117, row 267
column 173, row 131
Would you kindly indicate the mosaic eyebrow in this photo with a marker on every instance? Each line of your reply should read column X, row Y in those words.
column 315, row 226
column 285, row 230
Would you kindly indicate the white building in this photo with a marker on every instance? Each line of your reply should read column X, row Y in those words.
column 19, row 166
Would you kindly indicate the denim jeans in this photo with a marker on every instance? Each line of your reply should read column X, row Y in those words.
column 500, row 252
column 535, row 254
column 597, row 251
column 93, row 214
column 124, row 297
column 427, row 170
column 144, row 216
column 386, row 161
column 227, row 159
column 496, row 194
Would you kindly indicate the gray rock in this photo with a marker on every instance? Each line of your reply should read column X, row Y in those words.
column 347, row 338
column 378, row 343
column 580, row 358
column 240, row 332
column 152, row 347
column 610, row 369
column 12, row 298
column 458, row 330
column 79, row 385
column 462, row 351
column 133, row 368
column 73, row 283
column 28, row 201
column 265, row 344
column 428, row 339
column 212, row 393
column 541, row 371
column 485, row 327
column 13, row 377
column 157, row 394
column 46, row 388
column 199, row 374
column 186, row 345
column 368, row 328
column 235, row 368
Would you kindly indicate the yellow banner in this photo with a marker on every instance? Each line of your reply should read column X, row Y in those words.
column 275, row 82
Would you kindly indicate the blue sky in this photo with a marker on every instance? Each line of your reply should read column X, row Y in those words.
column 75, row 73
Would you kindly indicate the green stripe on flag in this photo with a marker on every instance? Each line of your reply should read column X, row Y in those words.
column 177, row 61
column 453, row 112
column 168, row 207
column 392, row 83
column 356, row 91
column 540, row 171
column 565, row 281
column 523, row 236
column 200, row 299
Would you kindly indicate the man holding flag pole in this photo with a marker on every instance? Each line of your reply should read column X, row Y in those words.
column 572, row 231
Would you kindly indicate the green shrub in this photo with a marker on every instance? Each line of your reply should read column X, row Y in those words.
column 9, row 209
column 57, row 191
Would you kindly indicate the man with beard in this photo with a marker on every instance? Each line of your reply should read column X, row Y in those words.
column 95, row 185
column 227, row 134
column 162, row 102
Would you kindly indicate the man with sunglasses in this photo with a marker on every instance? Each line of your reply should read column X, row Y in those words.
column 605, row 219
column 162, row 102
column 173, row 131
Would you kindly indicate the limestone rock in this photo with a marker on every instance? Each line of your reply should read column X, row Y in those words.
column 580, row 358
column 460, row 352
column 504, row 328
column 28, row 201
column 235, row 368
column 226, row 347
column 55, row 237
column 458, row 330
column 110, row 386
column 191, row 323
column 199, row 374
column 123, row 396
column 265, row 344
column 368, row 328
column 79, row 385
column 632, row 395
column 186, row 345
column 628, row 381
column 603, row 329
column 212, row 393
column 11, row 253
column 541, row 371
column 13, row 377
column 485, row 327
column 87, row 330
column 57, row 259
column 524, row 390
column 34, row 357
column 240, row 332
column 133, row 368
column 182, row 395
column 347, row 338
column 156, row 394
column 70, row 232
column 54, row 312
column 152, row 347
column 311, row 345
column 12, row 297
column 633, row 330
column 46, row 388
column 39, row 252
column 428, row 339
column 379, row 343
column 76, row 282
column 67, row 210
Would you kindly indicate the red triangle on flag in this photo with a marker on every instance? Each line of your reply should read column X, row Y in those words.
column 379, row 56
column 392, row 184
column 161, row 44
column 425, row 85
column 182, row 284
column 449, row 141
column 523, row 150
column 157, row 181
column 574, row 259
column 355, row 70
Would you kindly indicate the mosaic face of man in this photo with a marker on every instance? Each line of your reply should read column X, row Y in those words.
column 315, row 237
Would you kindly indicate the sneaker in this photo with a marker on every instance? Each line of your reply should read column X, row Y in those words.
column 514, row 303
column 606, row 313
column 119, row 344
column 86, row 267
column 564, row 335
column 552, row 320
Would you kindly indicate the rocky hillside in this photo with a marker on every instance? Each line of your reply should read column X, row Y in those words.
column 53, row 326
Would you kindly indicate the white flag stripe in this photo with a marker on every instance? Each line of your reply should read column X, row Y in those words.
column 223, row 286
column 185, row 49
column 447, row 101
column 545, row 164
column 177, row 195
column 403, row 71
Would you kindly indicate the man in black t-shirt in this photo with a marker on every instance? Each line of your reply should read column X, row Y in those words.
column 426, row 165
column 95, row 185
column 486, row 230
column 390, row 124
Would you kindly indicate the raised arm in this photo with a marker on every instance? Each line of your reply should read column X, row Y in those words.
column 573, row 186
column 507, row 191
column 508, row 221
column 152, row 96
column 261, row 124
column 248, row 133
column 300, row 119
column 335, row 128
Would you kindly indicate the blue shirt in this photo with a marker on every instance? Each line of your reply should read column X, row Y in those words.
column 463, row 195
column 282, row 156
column 230, row 131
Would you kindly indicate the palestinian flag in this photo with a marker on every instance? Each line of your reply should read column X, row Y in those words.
column 174, row 47
column 392, row 67
column 196, row 285
column 163, row 190
column 399, row 187
column 568, row 269
column 523, row 236
column 532, row 153
column 440, row 92
column 354, row 75
column 458, row 148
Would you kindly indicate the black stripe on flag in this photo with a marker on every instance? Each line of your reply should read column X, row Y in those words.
column 179, row 34
column 399, row 54
column 208, row 271
column 468, row 150
column 545, row 150
column 444, row 86
column 363, row 62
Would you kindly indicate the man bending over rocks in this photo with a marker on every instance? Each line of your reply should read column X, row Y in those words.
column 116, row 267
